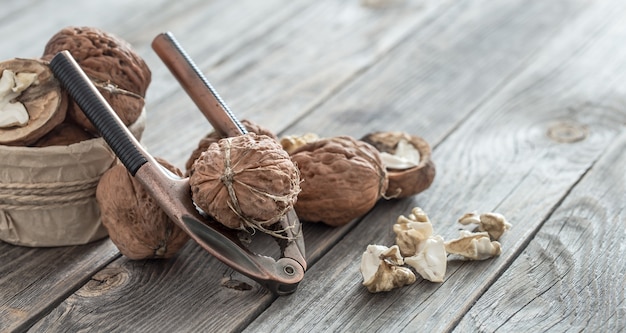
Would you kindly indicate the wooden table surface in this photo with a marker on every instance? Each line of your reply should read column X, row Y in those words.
column 523, row 103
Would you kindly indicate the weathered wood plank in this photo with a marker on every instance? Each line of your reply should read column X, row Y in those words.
column 15, row 8
column 388, row 98
column 278, row 77
column 498, row 159
column 34, row 280
column 205, row 273
column 163, row 295
column 211, row 32
column 571, row 275
column 29, row 29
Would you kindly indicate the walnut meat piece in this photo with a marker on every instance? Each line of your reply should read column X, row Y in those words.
column 495, row 224
column 411, row 231
column 408, row 178
column 381, row 268
column 119, row 73
column 430, row 261
column 474, row 246
column 214, row 137
column 136, row 224
column 245, row 182
column 291, row 143
column 31, row 101
column 343, row 178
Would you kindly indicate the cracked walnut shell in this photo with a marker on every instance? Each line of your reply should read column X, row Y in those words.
column 135, row 222
column 343, row 178
column 43, row 103
column 245, row 182
column 409, row 179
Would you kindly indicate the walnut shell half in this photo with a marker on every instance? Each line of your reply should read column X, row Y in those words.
column 343, row 178
column 44, row 100
column 411, row 180
column 136, row 223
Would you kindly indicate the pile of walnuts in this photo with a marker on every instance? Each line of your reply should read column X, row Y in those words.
column 248, row 182
column 340, row 178
column 36, row 111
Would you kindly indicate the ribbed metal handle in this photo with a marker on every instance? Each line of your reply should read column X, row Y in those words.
column 197, row 86
column 97, row 110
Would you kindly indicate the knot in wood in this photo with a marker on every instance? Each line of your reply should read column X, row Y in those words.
column 568, row 132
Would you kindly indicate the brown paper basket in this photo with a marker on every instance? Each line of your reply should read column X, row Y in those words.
column 47, row 194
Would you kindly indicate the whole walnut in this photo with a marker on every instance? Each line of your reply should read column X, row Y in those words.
column 214, row 137
column 343, row 178
column 119, row 73
column 245, row 182
column 136, row 223
column 64, row 134
column 127, row 105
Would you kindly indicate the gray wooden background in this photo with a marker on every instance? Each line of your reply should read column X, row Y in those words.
column 523, row 102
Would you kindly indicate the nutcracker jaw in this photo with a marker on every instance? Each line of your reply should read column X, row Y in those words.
column 173, row 193
column 174, row 196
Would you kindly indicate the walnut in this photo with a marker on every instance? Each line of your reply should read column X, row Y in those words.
column 136, row 224
column 494, row 224
column 430, row 261
column 127, row 105
column 292, row 142
column 412, row 170
column 381, row 268
column 214, row 137
column 245, row 182
column 118, row 72
column 424, row 252
column 31, row 101
column 411, row 231
column 343, row 178
column 474, row 246
column 64, row 134
column 103, row 56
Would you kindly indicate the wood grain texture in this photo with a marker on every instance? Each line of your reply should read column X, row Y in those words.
column 571, row 276
column 206, row 277
column 500, row 158
column 279, row 76
column 31, row 27
column 444, row 71
column 35, row 280
column 523, row 102
column 179, row 294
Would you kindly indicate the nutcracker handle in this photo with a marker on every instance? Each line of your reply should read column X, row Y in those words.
column 171, row 192
column 98, row 111
column 197, row 86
